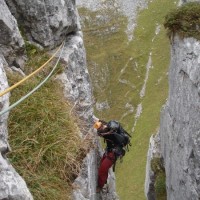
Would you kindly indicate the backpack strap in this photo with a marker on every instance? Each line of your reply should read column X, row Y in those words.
column 119, row 153
column 122, row 130
column 128, row 134
column 107, row 133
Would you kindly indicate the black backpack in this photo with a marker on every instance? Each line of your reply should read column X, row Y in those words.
column 122, row 138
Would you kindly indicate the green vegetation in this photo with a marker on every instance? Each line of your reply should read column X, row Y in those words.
column 184, row 20
column 46, row 146
column 156, row 94
column 31, row 49
column 160, row 185
column 112, row 52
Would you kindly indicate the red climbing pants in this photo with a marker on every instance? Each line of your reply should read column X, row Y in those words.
column 107, row 161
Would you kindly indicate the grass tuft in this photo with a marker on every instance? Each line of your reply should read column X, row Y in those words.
column 160, row 182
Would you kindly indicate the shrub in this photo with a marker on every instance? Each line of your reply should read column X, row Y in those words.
column 184, row 20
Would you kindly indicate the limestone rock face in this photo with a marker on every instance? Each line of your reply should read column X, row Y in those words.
column 85, row 184
column 180, row 124
column 75, row 78
column 46, row 22
column 4, row 102
column 11, row 41
column 12, row 186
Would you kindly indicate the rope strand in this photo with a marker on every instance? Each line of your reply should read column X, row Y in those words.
column 37, row 87
column 30, row 75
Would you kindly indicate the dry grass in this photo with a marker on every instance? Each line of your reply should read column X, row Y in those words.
column 47, row 149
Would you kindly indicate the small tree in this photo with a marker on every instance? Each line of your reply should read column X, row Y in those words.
column 184, row 20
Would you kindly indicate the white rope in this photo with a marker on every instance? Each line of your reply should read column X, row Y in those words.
column 36, row 88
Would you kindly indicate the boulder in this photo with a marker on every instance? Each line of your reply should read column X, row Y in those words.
column 45, row 22
column 11, row 41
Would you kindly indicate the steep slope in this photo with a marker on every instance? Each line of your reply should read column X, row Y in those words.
column 179, row 128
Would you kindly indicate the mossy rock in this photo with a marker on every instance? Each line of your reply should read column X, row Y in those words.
column 157, row 166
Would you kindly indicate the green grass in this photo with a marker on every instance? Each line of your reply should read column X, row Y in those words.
column 160, row 184
column 47, row 150
column 111, row 53
column 156, row 95
column 160, row 187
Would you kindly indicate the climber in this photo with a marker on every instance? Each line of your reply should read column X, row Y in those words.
column 115, row 143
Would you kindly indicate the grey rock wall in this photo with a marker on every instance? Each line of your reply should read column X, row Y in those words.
column 77, row 89
column 85, row 184
column 12, row 186
column 11, row 41
column 46, row 22
column 75, row 78
column 186, row 1
column 180, row 124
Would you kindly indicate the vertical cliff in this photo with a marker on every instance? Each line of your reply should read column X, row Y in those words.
column 178, row 141
column 45, row 22
column 75, row 78
column 179, row 128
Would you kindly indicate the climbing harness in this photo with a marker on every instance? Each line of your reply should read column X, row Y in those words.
column 37, row 87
